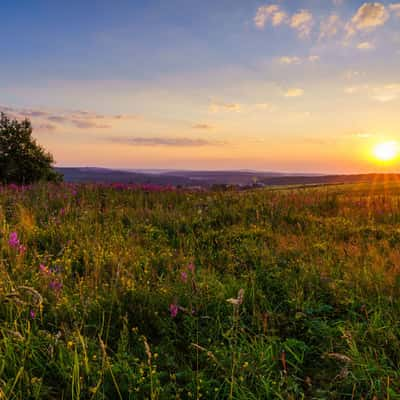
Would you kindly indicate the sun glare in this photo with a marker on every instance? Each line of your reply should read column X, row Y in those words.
column 386, row 151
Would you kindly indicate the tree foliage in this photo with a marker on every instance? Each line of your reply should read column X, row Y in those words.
column 22, row 159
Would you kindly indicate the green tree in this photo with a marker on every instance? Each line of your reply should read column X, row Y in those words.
column 22, row 159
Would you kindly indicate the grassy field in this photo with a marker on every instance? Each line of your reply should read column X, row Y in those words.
column 141, row 293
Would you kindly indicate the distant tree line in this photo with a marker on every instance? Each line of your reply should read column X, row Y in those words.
column 22, row 159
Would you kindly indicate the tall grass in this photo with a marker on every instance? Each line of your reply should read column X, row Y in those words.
column 132, row 292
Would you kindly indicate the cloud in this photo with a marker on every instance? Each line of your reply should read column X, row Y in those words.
column 45, row 127
column 314, row 59
column 365, row 46
column 367, row 18
column 386, row 93
column 79, row 119
column 217, row 107
column 329, row 26
column 202, row 126
column 290, row 60
column 294, row 92
column 302, row 22
column 163, row 141
column 395, row 7
column 272, row 13
column 265, row 106
column 337, row 2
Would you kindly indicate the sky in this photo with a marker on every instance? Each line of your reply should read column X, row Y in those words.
column 287, row 85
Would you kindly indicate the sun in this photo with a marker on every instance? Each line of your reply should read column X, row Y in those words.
column 386, row 151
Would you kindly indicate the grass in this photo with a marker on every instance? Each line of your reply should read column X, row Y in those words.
column 141, row 293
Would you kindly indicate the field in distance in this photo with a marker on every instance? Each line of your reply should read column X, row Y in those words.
column 149, row 292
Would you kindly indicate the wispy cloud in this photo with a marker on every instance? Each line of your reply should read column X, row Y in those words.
column 271, row 13
column 330, row 26
column 289, row 60
column 302, row 22
column 383, row 93
column 164, row 141
column 202, row 126
column 365, row 46
column 395, row 7
column 367, row 18
column 386, row 93
column 294, row 92
column 230, row 107
column 78, row 118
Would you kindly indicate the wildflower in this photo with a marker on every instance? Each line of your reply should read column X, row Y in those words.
column 191, row 267
column 44, row 269
column 32, row 314
column 21, row 249
column 184, row 276
column 55, row 285
column 173, row 309
column 13, row 241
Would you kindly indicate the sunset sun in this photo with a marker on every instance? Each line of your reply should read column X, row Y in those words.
column 386, row 151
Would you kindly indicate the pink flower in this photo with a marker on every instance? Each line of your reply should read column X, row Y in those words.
column 173, row 309
column 44, row 269
column 22, row 249
column 13, row 241
column 184, row 276
column 191, row 267
column 32, row 314
column 55, row 285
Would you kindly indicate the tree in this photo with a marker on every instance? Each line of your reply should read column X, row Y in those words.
column 22, row 159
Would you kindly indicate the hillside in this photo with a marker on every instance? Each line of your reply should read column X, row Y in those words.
column 209, row 178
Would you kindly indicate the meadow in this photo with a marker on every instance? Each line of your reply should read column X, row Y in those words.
column 142, row 292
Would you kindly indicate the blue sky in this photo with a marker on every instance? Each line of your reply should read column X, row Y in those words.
column 286, row 85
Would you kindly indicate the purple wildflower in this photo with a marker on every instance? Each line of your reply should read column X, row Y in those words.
column 184, row 276
column 13, row 241
column 191, row 267
column 55, row 285
column 173, row 309
column 44, row 269
column 32, row 314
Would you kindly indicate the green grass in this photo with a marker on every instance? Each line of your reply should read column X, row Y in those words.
column 294, row 293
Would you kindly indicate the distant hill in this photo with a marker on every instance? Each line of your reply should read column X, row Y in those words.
column 209, row 178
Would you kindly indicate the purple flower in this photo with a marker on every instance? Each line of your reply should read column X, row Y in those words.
column 55, row 285
column 13, row 241
column 191, row 267
column 173, row 309
column 44, row 269
column 184, row 276
column 32, row 314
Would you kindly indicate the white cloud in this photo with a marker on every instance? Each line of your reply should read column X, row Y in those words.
column 290, row 60
column 365, row 46
column 329, row 26
column 302, row 22
column 294, row 92
column 271, row 13
column 386, row 93
column 367, row 18
column 314, row 59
